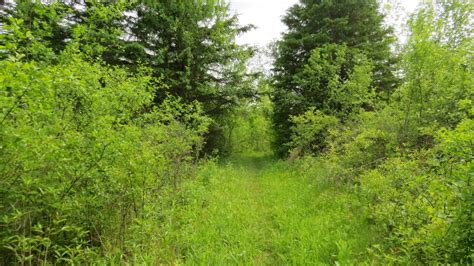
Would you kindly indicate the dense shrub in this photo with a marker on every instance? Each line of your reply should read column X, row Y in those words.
column 80, row 160
column 411, row 158
column 190, row 45
column 424, row 202
column 309, row 132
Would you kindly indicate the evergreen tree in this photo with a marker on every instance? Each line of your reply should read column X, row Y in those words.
column 36, row 30
column 354, row 24
column 191, row 45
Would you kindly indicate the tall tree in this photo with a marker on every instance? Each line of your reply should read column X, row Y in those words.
column 354, row 24
column 40, row 31
column 190, row 45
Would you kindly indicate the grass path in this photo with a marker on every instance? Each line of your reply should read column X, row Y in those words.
column 255, row 210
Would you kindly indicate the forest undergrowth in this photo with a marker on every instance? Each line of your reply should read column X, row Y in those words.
column 253, row 209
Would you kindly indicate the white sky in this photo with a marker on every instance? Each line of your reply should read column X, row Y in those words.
column 266, row 16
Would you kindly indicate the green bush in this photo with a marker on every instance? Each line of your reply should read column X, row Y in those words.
column 424, row 202
column 363, row 142
column 309, row 132
column 80, row 160
column 411, row 157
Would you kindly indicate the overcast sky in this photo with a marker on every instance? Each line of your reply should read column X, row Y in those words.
column 267, row 14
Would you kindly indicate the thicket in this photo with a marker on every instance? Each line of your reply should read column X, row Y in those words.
column 189, row 45
column 332, row 51
column 82, row 164
column 409, row 157
column 95, row 141
column 249, row 128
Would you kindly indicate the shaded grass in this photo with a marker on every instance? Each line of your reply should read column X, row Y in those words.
column 253, row 209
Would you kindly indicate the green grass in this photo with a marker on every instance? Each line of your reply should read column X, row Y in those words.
column 256, row 210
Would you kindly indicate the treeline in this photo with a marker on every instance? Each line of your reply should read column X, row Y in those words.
column 105, row 108
column 397, row 127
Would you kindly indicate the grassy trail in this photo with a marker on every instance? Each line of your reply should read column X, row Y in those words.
column 255, row 210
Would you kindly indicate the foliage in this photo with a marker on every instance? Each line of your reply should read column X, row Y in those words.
column 336, row 81
column 333, row 93
column 438, row 76
column 250, row 127
column 81, row 161
column 107, row 107
column 411, row 157
column 190, row 45
column 327, row 44
column 422, row 198
column 424, row 202
column 41, row 31
column 309, row 131
column 32, row 31
column 363, row 142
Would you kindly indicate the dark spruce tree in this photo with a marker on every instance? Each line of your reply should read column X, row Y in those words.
column 356, row 25
column 191, row 45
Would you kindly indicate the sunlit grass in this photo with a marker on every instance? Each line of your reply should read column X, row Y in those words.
column 254, row 209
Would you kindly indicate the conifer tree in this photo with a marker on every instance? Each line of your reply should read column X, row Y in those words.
column 355, row 24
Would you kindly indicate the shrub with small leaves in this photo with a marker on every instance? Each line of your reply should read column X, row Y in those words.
column 83, row 155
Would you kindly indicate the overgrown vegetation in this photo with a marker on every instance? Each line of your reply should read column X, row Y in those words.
column 95, row 144
column 112, row 114
column 82, row 165
column 410, row 156
column 334, row 54
column 189, row 45
column 254, row 209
